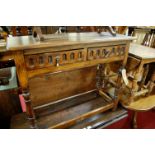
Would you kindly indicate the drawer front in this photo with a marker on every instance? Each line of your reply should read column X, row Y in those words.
column 105, row 52
column 54, row 59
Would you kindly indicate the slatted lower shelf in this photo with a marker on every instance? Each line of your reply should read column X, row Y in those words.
column 66, row 117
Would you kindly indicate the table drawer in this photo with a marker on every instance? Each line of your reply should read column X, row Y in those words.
column 105, row 52
column 42, row 60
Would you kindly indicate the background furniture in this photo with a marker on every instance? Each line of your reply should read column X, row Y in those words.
column 9, row 92
column 145, row 35
column 140, row 68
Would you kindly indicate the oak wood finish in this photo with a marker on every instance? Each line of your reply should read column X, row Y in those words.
column 64, row 65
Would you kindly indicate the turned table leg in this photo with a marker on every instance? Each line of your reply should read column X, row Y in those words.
column 29, row 109
column 118, row 88
column 23, row 82
column 101, row 77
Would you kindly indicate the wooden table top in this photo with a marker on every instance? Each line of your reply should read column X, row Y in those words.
column 141, row 51
column 53, row 40
column 143, row 104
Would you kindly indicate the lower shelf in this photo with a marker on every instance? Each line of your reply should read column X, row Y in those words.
column 76, row 116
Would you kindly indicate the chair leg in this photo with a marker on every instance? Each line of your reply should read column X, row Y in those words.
column 134, row 121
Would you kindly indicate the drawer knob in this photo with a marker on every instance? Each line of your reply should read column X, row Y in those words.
column 57, row 61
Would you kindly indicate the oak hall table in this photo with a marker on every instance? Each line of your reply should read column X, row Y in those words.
column 58, row 76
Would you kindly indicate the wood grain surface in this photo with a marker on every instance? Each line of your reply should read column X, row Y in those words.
column 28, row 42
column 141, row 51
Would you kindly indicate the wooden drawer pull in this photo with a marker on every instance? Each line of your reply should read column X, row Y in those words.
column 57, row 61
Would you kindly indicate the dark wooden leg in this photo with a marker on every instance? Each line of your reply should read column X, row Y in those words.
column 134, row 122
column 151, row 84
column 29, row 109
column 101, row 77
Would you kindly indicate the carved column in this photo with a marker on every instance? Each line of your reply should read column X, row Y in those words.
column 102, row 78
